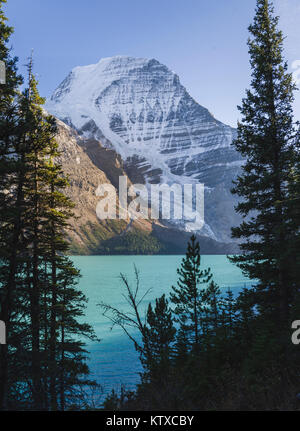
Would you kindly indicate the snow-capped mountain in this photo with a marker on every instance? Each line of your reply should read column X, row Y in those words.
column 139, row 107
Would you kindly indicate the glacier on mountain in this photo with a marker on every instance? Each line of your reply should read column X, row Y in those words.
column 139, row 107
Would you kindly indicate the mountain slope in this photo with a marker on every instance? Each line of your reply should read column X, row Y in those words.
column 139, row 108
column 86, row 232
column 87, row 164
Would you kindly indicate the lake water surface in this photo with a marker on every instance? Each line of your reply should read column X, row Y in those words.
column 114, row 361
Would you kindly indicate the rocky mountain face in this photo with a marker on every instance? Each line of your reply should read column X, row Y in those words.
column 88, row 164
column 159, row 133
column 84, row 178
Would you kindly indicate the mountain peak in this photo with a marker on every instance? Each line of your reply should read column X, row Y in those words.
column 138, row 107
column 82, row 89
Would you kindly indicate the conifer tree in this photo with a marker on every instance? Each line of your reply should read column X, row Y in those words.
column 265, row 139
column 293, row 223
column 68, row 370
column 160, row 333
column 42, row 364
column 10, row 220
column 39, row 134
column 187, row 295
column 58, row 360
column 212, row 310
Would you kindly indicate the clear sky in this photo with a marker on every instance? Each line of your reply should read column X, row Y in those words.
column 203, row 41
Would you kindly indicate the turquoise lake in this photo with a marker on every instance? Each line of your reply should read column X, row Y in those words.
column 114, row 361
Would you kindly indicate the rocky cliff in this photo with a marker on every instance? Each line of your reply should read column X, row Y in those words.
column 88, row 164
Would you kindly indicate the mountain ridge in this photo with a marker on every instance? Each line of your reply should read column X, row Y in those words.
column 83, row 163
column 139, row 108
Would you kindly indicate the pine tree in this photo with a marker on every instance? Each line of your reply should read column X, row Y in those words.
column 10, row 220
column 43, row 363
column 265, row 138
column 58, row 360
column 211, row 300
column 160, row 333
column 187, row 296
column 70, row 369
column 293, row 223
column 38, row 135
column 156, row 356
column 58, row 211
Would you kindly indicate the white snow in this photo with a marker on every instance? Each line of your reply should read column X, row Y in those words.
column 153, row 115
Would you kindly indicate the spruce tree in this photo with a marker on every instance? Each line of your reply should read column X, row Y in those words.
column 187, row 295
column 10, row 217
column 212, row 310
column 156, row 356
column 57, row 358
column 43, row 363
column 266, row 136
column 293, row 223
column 160, row 333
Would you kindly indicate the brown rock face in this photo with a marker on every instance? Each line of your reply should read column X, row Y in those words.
column 87, row 164
column 84, row 178
column 84, row 162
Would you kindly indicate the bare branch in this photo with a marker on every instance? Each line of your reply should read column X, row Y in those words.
column 132, row 319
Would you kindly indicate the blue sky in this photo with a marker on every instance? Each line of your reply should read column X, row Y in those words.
column 203, row 41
